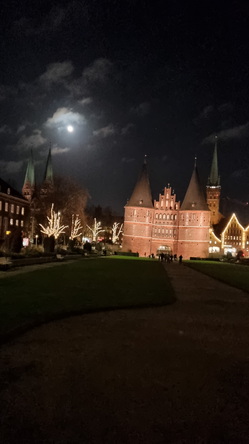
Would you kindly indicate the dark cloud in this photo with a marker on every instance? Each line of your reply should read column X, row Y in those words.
column 34, row 140
column 106, row 131
column 142, row 109
column 127, row 159
column 57, row 72
column 11, row 167
column 237, row 132
column 225, row 108
column 5, row 129
column 127, row 129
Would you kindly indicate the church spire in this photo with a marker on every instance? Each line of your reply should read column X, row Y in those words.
column 48, row 176
column 29, row 181
column 30, row 171
column 141, row 196
column 214, row 179
column 194, row 198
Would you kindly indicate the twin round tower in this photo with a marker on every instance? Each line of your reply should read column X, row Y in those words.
column 165, row 225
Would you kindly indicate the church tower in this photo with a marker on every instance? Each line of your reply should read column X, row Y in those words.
column 29, row 181
column 213, row 189
column 48, row 181
column 138, row 216
column 194, row 221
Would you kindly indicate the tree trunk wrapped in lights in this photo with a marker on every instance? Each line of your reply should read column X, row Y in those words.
column 116, row 231
column 75, row 227
column 95, row 229
column 54, row 227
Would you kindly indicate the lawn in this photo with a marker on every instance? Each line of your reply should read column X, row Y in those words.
column 235, row 275
column 86, row 285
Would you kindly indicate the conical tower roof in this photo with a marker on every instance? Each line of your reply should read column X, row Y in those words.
column 194, row 198
column 30, row 172
column 49, row 176
column 141, row 196
column 214, row 179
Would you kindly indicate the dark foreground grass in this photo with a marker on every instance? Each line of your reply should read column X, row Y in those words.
column 83, row 286
column 235, row 275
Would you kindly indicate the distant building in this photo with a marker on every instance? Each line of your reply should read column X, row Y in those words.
column 14, row 211
column 164, row 225
column 37, row 194
column 195, row 228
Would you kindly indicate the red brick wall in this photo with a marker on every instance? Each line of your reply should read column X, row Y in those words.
column 137, row 230
column 193, row 235
column 192, row 229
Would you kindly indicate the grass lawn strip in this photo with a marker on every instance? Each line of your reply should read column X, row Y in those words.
column 83, row 286
column 235, row 275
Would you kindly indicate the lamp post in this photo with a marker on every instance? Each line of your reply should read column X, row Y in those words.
column 8, row 241
column 36, row 237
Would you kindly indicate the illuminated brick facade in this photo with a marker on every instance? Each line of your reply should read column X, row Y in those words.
column 165, row 226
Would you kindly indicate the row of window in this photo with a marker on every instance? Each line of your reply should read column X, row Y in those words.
column 11, row 207
column 16, row 222
column 234, row 231
column 166, row 216
column 172, row 207
column 166, row 231
column 5, row 222
column 232, row 237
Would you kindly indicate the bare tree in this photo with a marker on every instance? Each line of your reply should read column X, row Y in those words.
column 75, row 227
column 54, row 227
column 68, row 197
column 95, row 229
column 117, row 229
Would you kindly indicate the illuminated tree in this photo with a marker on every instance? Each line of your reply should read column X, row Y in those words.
column 75, row 227
column 116, row 231
column 54, row 227
column 95, row 229
column 67, row 196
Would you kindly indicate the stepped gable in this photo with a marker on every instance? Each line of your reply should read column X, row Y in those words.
column 194, row 198
column 141, row 196
column 214, row 179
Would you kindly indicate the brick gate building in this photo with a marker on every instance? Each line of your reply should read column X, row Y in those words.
column 165, row 225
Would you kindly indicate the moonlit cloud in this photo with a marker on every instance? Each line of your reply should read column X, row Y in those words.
column 57, row 72
column 35, row 140
column 59, row 150
column 106, row 131
column 64, row 116
column 237, row 132
column 20, row 129
column 85, row 101
column 97, row 73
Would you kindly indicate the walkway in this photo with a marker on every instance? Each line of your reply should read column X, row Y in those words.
column 176, row 374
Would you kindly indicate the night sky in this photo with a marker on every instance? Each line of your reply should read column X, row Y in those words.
column 132, row 78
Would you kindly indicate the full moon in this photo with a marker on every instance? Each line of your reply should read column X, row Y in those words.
column 70, row 128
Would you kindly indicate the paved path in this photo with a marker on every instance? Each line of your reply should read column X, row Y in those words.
column 176, row 374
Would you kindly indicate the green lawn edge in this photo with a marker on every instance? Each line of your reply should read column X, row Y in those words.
column 234, row 275
column 24, row 307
